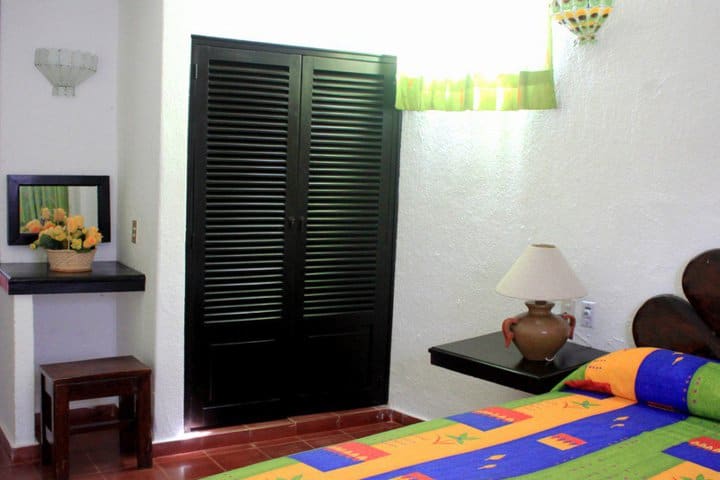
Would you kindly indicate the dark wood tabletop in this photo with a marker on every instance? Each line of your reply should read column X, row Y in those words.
column 486, row 357
column 36, row 278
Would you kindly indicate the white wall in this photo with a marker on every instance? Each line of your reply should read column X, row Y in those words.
column 42, row 134
column 7, row 367
column 139, row 192
column 73, row 327
column 17, row 419
column 324, row 24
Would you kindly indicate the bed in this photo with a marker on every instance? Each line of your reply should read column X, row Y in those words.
column 650, row 412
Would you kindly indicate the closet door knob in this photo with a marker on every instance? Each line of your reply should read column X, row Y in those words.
column 290, row 221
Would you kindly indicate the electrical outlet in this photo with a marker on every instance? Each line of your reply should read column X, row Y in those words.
column 588, row 314
column 133, row 235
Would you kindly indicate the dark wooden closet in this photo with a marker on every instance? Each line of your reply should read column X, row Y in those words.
column 292, row 198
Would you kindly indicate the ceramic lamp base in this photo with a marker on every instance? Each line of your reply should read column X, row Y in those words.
column 539, row 334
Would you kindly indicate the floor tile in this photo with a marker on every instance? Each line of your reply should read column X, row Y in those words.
column 188, row 466
column 361, row 416
column 112, row 460
column 278, row 441
column 49, row 475
column 177, row 447
column 230, row 438
column 316, row 422
column 365, row 430
column 272, row 430
column 181, row 457
column 21, row 472
column 80, row 464
column 154, row 473
column 284, row 449
column 229, row 458
column 99, row 440
column 229, row 449
column 325, row 439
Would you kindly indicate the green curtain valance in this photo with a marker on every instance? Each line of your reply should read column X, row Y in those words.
column 516, row 89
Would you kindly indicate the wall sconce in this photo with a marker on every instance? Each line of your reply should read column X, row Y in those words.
column 582, row 17
column 64, row 68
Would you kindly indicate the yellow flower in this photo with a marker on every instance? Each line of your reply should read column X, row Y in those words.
column 68, row 234
column 33, row 226
column 45, row 213
column 73, row 223
column 91, row 241
column 56, row 233
column 59, row 215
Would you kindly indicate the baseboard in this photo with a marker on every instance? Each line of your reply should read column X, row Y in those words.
column 27, row 454
column 223, row 437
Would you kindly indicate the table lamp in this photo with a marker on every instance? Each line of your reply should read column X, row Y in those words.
column 539, row 275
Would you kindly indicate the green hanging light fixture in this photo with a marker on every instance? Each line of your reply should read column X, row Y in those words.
column 582, row 17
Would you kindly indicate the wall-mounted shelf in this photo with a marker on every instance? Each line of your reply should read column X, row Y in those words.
column 36, row 278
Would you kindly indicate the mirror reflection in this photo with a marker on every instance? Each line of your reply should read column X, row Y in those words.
column 34, row 200
column 39, row 204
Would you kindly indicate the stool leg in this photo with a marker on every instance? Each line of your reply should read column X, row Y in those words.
column 126, row 411
column 45, row 421
column 61, row 432
column 143, row 425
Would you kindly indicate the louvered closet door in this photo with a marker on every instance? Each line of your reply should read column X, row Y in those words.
column 348, row 144
column 244, row 128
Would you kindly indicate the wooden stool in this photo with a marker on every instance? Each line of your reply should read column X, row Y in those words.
column 62, row 383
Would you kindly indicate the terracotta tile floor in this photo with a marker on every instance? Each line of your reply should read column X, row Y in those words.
column 96, row 456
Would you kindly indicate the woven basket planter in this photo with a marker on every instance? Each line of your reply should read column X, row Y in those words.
column 70, row 260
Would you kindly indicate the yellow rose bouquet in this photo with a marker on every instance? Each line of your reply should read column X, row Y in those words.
column 63, row 232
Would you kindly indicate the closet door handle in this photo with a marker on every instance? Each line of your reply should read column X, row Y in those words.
column 290, row 222
column 303, row 224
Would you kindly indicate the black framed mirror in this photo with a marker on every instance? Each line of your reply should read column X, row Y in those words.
column 27, row 195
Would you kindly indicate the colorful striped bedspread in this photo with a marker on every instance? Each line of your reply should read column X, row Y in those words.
column 634, row 414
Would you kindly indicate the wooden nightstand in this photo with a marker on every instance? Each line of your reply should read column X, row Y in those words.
column 486, row 357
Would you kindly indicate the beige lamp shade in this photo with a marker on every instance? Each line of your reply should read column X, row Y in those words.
column 541, row 273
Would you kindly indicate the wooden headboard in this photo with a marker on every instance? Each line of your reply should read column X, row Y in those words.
column 689, row 326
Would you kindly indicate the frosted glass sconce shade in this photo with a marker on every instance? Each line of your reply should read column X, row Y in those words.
column 64, row 68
